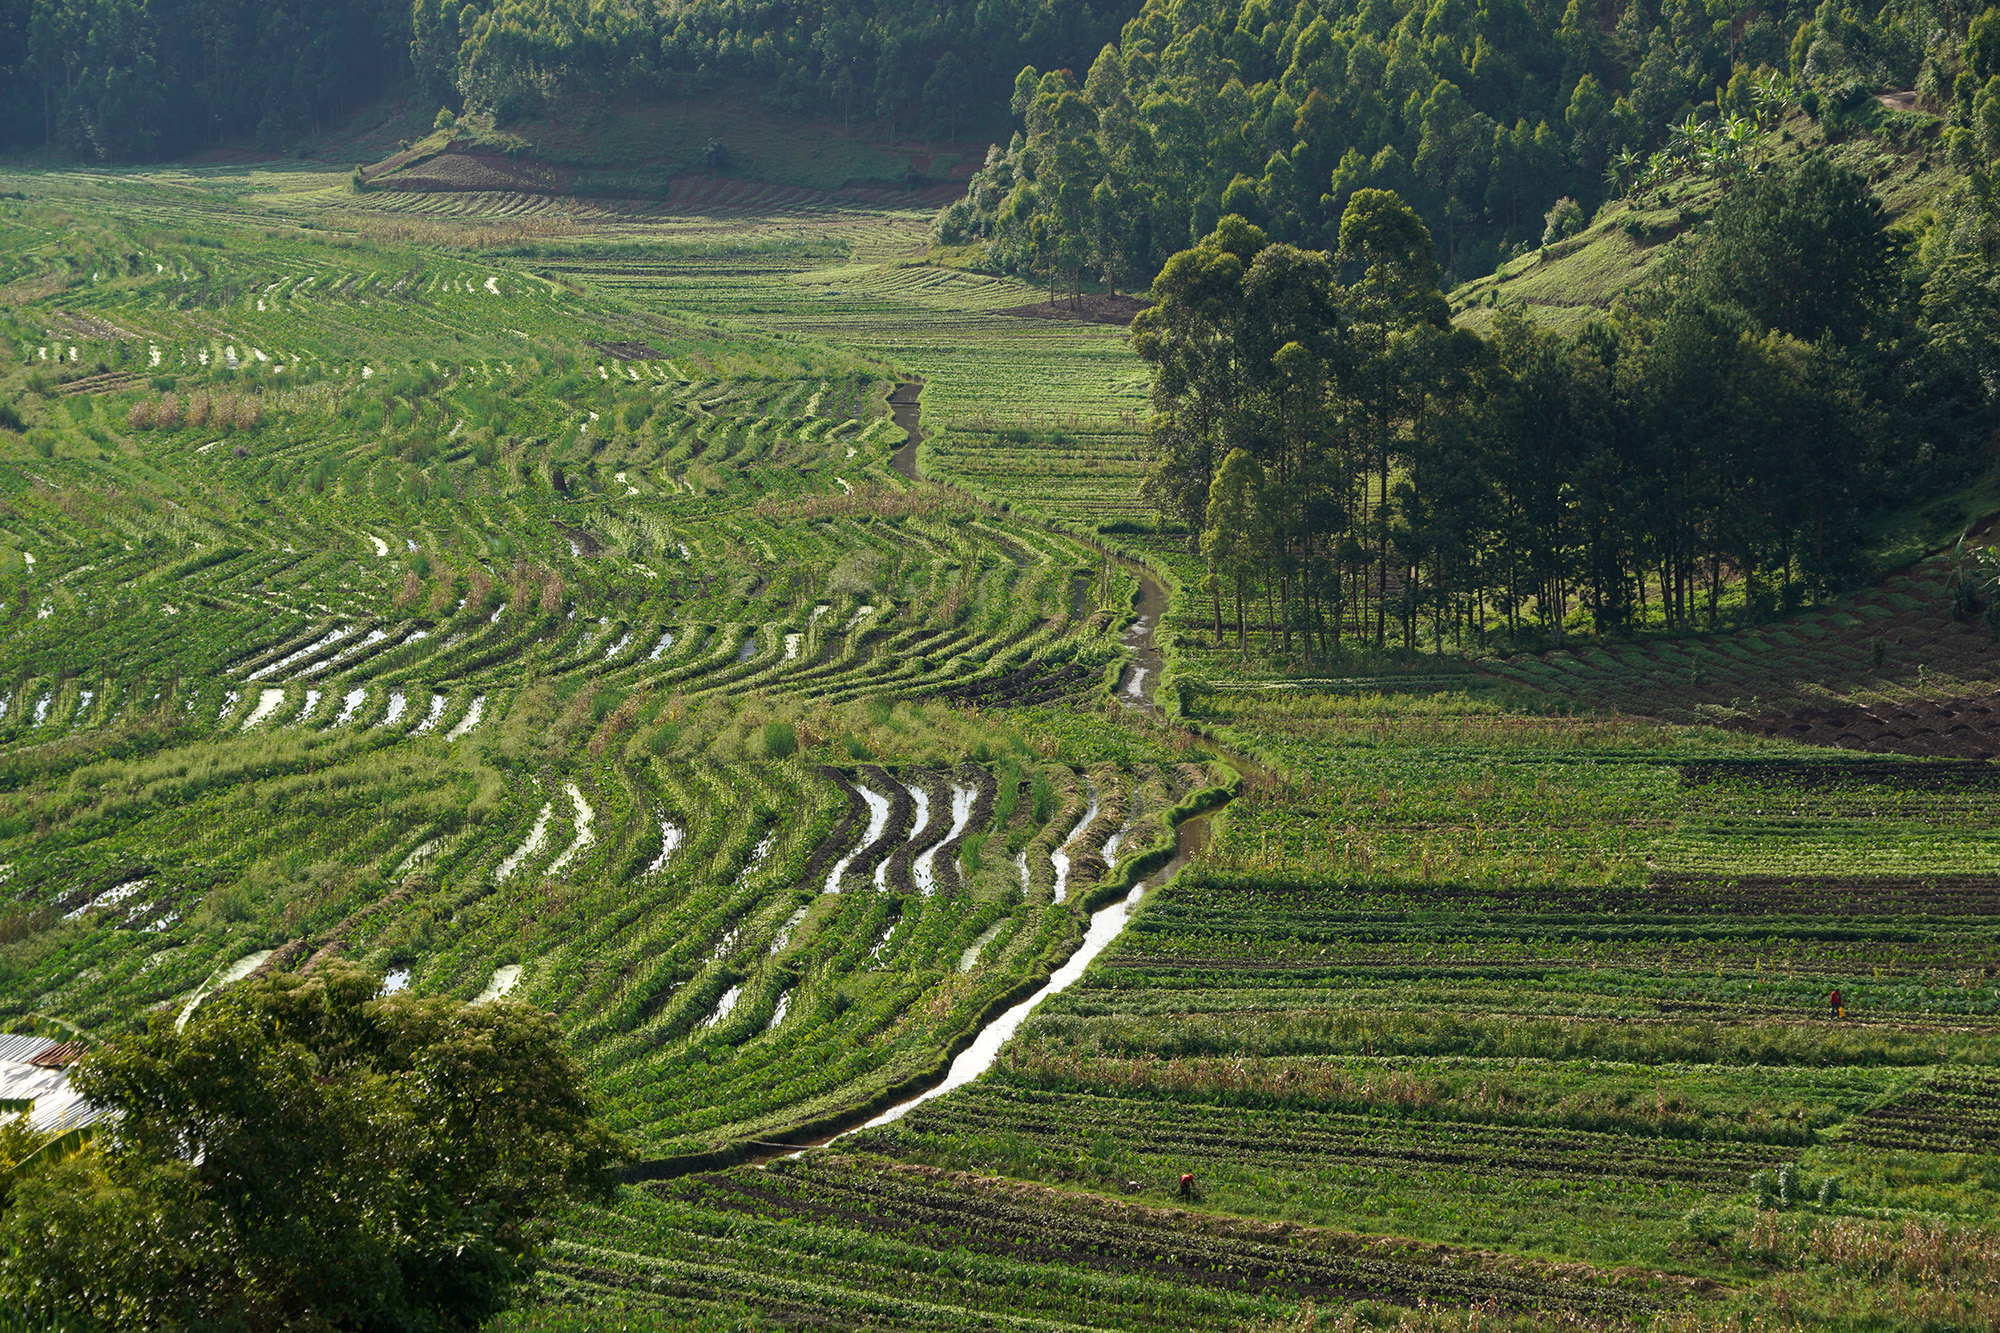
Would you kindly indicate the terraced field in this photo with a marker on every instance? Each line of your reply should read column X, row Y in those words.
column 1045, row 414
column 521, row 639
column 538, row 598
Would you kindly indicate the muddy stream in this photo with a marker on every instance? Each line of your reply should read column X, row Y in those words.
column 1141, row 678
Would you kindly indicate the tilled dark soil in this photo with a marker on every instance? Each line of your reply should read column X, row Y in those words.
column 1824, row 895
column 1022, row 1231
column 630, row 351
column 1952, row 1113
column 905, row 411
column 1090, row 308
column 1887, row 670
column 1029, row 685
column 1954, row 728
column 459, row 168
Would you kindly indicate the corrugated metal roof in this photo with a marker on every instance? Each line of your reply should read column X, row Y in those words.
column 15, row 1046
column 71, row 1114
column 18, row 1081
column 57, row 1107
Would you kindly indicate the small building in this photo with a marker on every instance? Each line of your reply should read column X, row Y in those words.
column 35, row 1071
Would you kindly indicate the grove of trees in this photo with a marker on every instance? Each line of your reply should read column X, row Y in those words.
column 1353, row 465
column 305, row 1154
column 897, row 66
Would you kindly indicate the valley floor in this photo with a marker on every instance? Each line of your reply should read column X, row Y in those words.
column 525, row 597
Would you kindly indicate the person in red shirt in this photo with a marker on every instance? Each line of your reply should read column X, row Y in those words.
column 1836, row 1007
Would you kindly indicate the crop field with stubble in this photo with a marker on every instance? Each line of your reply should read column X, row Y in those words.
column 542, row 598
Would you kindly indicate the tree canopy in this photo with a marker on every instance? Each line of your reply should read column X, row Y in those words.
column 309, row 1154
column 1491, row 120
column 1338, row 448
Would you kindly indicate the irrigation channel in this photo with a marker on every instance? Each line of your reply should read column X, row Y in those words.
column 1105, row 924
column 905, row 410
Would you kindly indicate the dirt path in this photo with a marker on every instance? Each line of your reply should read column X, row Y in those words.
column 904, row 411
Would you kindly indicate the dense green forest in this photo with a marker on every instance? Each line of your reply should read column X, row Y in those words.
column 1360, row 465
column 934, row 68
column 1482, row 116
column 126, row 79
column 119, row 80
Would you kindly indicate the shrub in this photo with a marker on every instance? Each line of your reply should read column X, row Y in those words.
column 1789, row 1187
column 781, row 741
column 1564, row 219
column 298, row 1094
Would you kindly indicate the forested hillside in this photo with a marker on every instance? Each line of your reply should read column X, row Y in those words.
column 1482, row 116
column 120, row 79
column 1723, row 438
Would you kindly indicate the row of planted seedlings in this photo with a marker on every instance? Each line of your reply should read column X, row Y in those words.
column 1027, row 1251
column 847, row 641
column 399, row 655
column 1001, row 625
column 514, row 873
column 796, row 984
column 1563, row 964
column 1013, row 923
column 732, row 990
column 521, row 628
column 173, row 863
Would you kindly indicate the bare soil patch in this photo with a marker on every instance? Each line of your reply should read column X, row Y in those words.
column 1957, row 728
column 1090, row 308
column 460, row 170
column 630, row 351
column 1032, row 684
column 1819, row 895
column 586, row 545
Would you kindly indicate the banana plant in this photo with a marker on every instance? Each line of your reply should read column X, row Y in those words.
column 1623, row 173
column 1772, row 96
column 1974, row 583
column 1687, row 141
column 1742, row 134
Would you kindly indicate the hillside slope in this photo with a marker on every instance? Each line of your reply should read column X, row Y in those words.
column 641, row 149
column 1564, row 284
